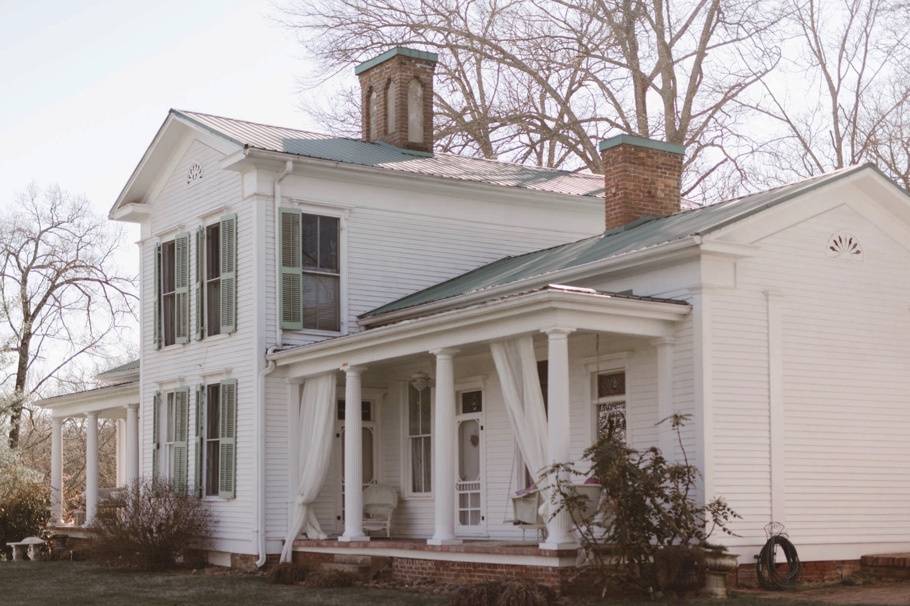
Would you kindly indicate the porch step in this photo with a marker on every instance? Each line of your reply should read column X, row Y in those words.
column 362, row 566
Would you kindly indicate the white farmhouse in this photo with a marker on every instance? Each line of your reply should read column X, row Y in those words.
column 330, row 321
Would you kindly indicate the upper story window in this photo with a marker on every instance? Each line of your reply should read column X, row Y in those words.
column 310, row 271
column 172, row 301
column 216, row 278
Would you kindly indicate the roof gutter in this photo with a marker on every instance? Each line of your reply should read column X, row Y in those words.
column 616, row 263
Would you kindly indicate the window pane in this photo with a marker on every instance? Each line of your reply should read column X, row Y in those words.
column 471, row 401
column 413, row 411
column 167, row 267
column 212, row 411
column 309, row 234
column 320, row 302
column 213, row 307
column 611, row 419
column 469, row 451
column 425, row 410
column 169, row 308
column 211, row 467
column 367, row 434
column 611, row 384
column 213, row 251
column 328, row 243
column 340, row 413
column 417, row 465
column 366, row 411
column 427, row 464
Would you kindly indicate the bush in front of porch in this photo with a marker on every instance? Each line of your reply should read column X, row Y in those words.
column 648, row 533
column 24, row 504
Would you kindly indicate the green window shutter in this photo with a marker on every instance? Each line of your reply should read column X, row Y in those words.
column 181, row 427
column 200, row 440
column 229, row 274
column 227, row 442
column 156, row 435
column 157, row 321
column 291, row 276
column 200, row 283
column 182, row 287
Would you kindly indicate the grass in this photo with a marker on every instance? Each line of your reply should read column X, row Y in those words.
column 86, row 583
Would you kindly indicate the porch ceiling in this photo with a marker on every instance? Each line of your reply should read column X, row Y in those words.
column 523, row 313
column 109, row 401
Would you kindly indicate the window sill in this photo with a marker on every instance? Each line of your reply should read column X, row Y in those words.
column 214, row 338
column 312, row 332
column 215, row 499
column 418, row 496
column 171, row 347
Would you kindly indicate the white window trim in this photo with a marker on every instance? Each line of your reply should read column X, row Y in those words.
column 342, row 214
column 406, row 492
column 164, row 451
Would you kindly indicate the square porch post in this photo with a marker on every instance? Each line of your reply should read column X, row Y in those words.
column 353, row 457
column 444, row 460
column 559, row 526
column 57, row 470
column 132, row 443
column 91, row 467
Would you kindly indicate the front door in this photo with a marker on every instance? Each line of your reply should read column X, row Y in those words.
column 469, row 495
column 370, row 457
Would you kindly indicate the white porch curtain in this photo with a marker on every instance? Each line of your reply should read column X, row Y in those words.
column 516, row 366
column 315, row 427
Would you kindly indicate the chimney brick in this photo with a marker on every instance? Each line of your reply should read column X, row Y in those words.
column 641, row 179
column 394, row 70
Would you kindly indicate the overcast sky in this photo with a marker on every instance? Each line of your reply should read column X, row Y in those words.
column 86, row 84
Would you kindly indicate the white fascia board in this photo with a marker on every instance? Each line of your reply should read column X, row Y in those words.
column 93, row 400
column 522, row 314
column 662, row 253
column 269, row 160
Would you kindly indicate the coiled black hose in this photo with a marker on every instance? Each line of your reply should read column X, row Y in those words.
column 769, row 577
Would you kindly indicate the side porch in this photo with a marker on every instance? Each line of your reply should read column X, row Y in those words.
column 458, row 413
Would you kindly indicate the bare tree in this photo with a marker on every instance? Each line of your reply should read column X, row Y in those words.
column 890, row 140
column 61, row 297
column 539, row 81
column 846, row 53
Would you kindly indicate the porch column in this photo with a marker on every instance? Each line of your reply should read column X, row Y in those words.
column 57, row 470
column 91, row 466
column 132, row 443
column 665, row 397
column 559, row 526
column 353, row 457
column 444, row 460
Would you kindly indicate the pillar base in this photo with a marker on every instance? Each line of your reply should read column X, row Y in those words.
column 347, row 539
column 443, row 542
column 547, row 546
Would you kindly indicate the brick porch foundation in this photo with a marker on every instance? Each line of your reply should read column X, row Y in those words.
column 823, row 571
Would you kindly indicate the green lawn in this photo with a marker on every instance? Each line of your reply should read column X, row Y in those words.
column 85, row 583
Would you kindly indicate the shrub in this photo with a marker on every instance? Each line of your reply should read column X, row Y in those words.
column 648, row 521
column 286, row 573
column 24, row 502
column 149, row 526
column 324, row 578
column 503, row 593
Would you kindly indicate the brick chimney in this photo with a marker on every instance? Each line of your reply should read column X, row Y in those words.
column 641, row 178
column 396, row 95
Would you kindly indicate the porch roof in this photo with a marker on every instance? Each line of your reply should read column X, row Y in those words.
column 109, row 400
column 553, row 306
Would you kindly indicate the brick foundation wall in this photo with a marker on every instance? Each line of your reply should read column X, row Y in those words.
column 410, row 570
column 824, row 571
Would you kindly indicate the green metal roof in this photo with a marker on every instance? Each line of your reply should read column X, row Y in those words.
column 394, row 52
column 644, row 234
column 640, row 142
column 131, row 366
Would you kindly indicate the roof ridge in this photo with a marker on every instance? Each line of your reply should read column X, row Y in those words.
column 547, row 169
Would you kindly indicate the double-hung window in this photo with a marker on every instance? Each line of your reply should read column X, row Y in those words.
column 610, row 403
column 172, row 301
column 216, row 278
column 310, row 271
column 170, row 421
column 216, row 437
column 420, row 451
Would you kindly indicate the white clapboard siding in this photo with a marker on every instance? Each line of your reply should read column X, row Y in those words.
column 846, row 380
column 179, row 206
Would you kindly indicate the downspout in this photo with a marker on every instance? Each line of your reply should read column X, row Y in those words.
column 288, row 167
column 260, row 460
